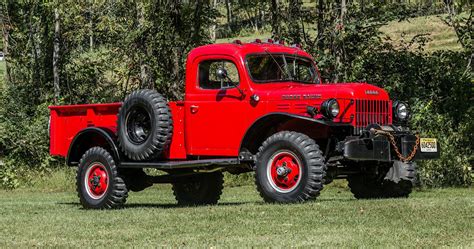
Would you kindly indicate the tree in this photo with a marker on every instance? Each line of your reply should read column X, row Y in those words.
column 339, row 48
column 462, row 25
column 228, row 7
column 320, row 25
column 6, row 9
column 56, row 52
column 146, row 75
column 212, row 29
column 275, row 20
column 294, row 20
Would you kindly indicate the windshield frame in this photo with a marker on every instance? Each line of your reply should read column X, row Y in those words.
column 292, row 55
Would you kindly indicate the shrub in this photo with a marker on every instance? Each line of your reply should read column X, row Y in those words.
column 439, row 93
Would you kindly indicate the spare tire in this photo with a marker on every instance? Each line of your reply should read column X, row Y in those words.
column 144, row 125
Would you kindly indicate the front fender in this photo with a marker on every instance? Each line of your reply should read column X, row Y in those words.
column 260, row 129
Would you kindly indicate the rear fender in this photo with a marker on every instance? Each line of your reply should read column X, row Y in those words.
column 91, row 137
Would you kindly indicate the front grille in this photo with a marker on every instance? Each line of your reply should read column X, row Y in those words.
column 371, row 112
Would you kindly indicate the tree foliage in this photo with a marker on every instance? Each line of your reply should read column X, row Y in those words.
column 108, row 48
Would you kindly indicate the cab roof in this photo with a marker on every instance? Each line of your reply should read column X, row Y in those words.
column 240, row 49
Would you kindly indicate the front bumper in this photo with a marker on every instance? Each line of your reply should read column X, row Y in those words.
column 379, row 148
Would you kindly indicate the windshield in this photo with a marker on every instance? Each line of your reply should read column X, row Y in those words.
column 281, row 67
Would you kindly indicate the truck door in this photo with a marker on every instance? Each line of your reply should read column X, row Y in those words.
column 215, row 116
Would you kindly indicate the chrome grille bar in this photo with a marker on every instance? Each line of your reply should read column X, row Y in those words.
column 371, row 112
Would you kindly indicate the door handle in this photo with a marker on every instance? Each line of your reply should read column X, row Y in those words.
column 194, row 108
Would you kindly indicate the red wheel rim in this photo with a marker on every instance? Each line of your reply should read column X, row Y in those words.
column 283, row 171
column 96, row 181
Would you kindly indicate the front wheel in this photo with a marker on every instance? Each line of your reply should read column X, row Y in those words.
column 290, row 168
column 98, row 183
column 394, row 182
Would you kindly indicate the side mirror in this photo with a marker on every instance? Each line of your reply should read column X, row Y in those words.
column 221, row 73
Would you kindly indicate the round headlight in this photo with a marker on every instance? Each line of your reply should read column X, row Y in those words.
column 330, row 108
column 400, row 111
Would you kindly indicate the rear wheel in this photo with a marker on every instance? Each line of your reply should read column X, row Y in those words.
column 204, row 189
column 290, row 168
column 136, row 179
column 98, row 182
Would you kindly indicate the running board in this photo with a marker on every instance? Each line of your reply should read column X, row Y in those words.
column 181, row 164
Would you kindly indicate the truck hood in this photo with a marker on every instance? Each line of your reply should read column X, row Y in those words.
column 279, row 91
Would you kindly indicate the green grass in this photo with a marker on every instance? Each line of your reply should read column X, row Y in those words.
column 442, row 37
column 434, row 218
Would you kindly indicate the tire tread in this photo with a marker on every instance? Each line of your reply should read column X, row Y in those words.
column 312, row 155
column 163, row 126
column 117, row 196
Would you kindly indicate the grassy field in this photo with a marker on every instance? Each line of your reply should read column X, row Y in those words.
column 47, row 212
column 441, row 36
column 434, row 218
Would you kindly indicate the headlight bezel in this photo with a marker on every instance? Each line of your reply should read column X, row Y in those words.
column 399, row 107
column 330, row 108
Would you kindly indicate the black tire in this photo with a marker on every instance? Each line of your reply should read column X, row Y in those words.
column 144, row 125
column 363, row 187
column 401, row 189
column 304, row 153
column 136, row 179
column 368, row 188
column 115, row 194
column 205, row 189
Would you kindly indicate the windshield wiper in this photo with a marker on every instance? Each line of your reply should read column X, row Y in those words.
column 279, row 67
column 288, row 73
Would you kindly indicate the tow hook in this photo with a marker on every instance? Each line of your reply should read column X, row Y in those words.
column 391, row 138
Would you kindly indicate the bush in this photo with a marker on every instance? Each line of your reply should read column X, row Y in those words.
column 439, row 92
column 23, row 135
column 8, row 177
column 455, row 164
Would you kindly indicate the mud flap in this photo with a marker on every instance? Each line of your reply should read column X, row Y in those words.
column 401, row 171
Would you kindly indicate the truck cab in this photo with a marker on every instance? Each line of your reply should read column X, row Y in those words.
column 259, row 107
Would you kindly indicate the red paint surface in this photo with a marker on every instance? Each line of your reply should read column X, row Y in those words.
column 213, row 122
column 97, row 173
column 290, row 179
column 67, row 121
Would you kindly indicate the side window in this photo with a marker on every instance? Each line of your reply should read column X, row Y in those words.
column 208, row 78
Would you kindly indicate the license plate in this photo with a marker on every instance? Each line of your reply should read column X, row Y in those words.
column 428, row 145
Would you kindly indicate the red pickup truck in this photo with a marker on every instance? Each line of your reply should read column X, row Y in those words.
column 257, row 106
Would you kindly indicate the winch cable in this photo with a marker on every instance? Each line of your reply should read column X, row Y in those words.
column 395, row 147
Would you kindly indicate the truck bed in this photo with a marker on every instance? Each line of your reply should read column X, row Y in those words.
column 67, row 121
